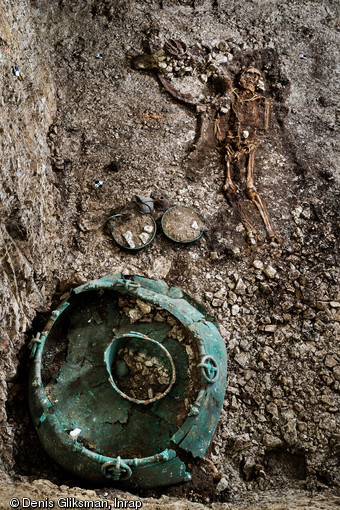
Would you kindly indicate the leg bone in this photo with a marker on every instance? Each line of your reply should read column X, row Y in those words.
column 254, row 196
column 234, row 200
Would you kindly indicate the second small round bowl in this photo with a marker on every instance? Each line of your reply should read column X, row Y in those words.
column 182, row 224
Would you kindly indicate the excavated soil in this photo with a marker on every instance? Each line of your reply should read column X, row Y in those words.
column 146, row 378
column 70, row 119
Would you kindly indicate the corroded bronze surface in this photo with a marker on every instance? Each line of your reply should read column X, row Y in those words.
column 89, row 414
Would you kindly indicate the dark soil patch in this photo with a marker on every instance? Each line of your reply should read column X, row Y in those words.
column 285, row 464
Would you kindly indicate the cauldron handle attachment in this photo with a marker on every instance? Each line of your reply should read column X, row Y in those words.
column 116, row 468
column 209, row 369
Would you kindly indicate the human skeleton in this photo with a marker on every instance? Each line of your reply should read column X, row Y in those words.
column 237, row 128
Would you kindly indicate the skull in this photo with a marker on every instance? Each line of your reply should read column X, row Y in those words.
column 249, row 78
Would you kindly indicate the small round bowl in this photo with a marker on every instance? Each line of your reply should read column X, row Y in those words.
column 113, row 227
column 146, row 345
column 185, row 230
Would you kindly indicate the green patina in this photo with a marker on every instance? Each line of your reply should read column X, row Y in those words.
column 135, row 442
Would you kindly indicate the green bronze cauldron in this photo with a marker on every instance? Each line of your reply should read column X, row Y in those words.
column 127, row 374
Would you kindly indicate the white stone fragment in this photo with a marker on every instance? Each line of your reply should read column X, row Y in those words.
column 75, row 433
column 270, row 272
column 221, row 59
column 144, row 237
column 258, row 264
column 222, row 485
column 297, row 212
column 148, row 228
column 245, row 134
column 144, row 307
column 235, row 310
column 135, row 314
column 223, row 109
column 129, row 239
column 195, row 225
column 260, row 85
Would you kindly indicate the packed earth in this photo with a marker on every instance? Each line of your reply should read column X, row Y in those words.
column 84, row 127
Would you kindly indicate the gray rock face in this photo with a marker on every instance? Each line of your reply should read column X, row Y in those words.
column 70, row 120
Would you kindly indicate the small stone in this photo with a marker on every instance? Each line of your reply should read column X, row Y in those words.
column 129, row 239
column 245, row 346
column 148, row 228
column 296, row 213
column 240, row 287
column 335, row 304
column 306, row 214
column 232, row 297
column 223, row 46
column 235, row 310
column 269, row 328
column 234, row 403
column 216, row 302
column 223, row 109
column 144, row 307
column 260, row 85
column 328, row 400
column 135, row 314
column 258, row 264
column 159, row 318
column 288, row 427
column 330, row 361
column 266, row 353
column 277, row 392
column 272, row 409
column 336, row 372
column 221, row 59
column 270, row 272
column 144, row 237
column 75, row 433
column 220, row 294
column 222, row 485
column 242, row 358
column 271, row 441
column 328, row 381
column 245, row 134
